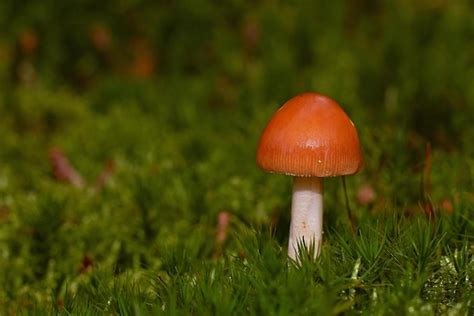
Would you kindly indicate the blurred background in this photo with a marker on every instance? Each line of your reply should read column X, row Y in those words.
column 153, row 110
column 409, row 63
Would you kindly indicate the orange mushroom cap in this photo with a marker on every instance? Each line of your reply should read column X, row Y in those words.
column 310, row 135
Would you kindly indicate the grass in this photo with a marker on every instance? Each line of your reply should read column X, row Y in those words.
column 181, row 220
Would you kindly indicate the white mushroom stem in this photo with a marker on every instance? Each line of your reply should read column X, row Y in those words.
column 306, row 215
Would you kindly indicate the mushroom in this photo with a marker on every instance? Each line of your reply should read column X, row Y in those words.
column 310, row 137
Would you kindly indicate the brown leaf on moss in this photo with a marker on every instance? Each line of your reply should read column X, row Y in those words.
column 86, row 264
column 100, row 37
column 143, row 61
column 28, row 42
column 4, row 213
column 426, row 185
column 60, row 302
column 105, row 175
column 250, row 35
column 446, row 206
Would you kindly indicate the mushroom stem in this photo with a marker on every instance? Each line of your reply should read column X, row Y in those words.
column 306, row 216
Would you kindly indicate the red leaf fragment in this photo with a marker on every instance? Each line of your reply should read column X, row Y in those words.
column 63, row 170
column 223, row 220
column 366, row 194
